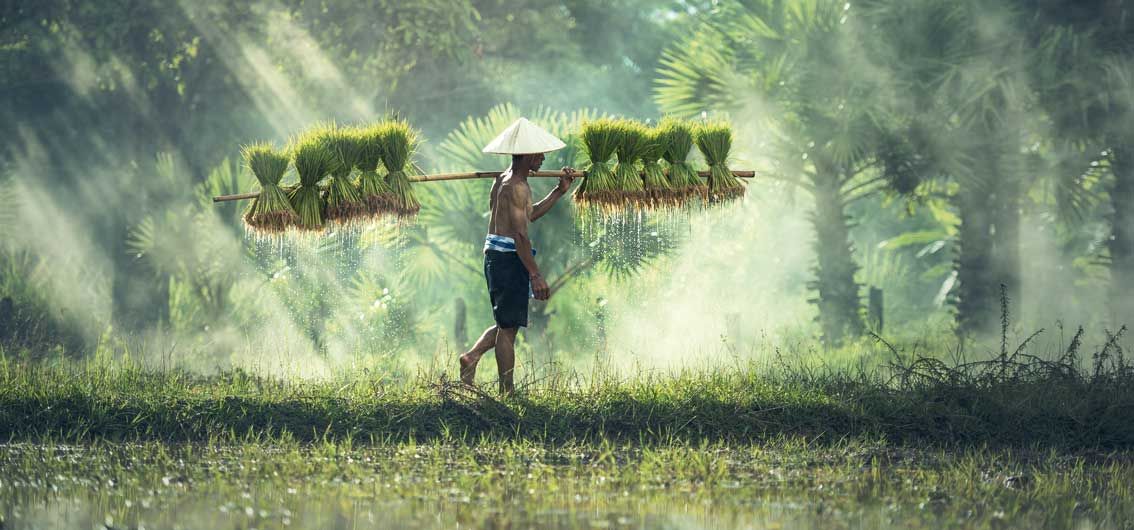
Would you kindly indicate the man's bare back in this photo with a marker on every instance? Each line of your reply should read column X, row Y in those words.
column 511, row 206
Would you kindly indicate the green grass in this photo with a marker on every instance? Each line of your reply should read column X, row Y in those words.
column 1015, row 441
column 1011, row 401
column 599, row 139
column 270, row 212
column 399, row 143
column 714, row 140
column 450, row 482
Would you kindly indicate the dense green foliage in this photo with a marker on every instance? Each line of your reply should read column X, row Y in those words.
column 942, row 150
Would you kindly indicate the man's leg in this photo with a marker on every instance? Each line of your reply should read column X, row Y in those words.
column 486, row 342
column 506, row 357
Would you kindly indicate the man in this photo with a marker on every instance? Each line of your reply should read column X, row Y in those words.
column 509, row 259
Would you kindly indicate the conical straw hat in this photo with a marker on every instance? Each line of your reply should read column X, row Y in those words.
column 524, row 138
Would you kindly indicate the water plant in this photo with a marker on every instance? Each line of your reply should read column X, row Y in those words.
column 658, row 188
column 313, row 161
column 677, row 137
column 271, row 211
column 632, row 144
column 714, row 140
column 399, row 142
column 343, row 201
column 600, row 140
column 377, row 197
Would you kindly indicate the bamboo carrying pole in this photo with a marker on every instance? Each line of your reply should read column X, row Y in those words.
column 472, row 175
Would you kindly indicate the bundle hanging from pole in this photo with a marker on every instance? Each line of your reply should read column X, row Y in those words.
column 270, row 212
column 624, row 172
column 313, row 161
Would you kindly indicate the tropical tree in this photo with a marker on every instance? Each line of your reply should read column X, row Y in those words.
column 795, row 67
column 961, row 67
column 1085, row 76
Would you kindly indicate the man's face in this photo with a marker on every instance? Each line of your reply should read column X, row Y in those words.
column 536, row 161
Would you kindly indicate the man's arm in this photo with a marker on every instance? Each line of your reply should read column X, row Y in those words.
column 492, row 193
column 542, row 207
column 518, row 213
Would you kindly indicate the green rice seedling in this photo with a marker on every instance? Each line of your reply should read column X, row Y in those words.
column 600, row 140
column 714, row 139
column 661, row 193
column 632, row 144
column 677, row 137
column 270, row 212
column 313, row 161
column 399, row 142
column 377, row 197
column 343, row 202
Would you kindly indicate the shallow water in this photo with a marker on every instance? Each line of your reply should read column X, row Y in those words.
column 524, row 486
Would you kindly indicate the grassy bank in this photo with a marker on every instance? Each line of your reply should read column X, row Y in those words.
column 1015, row 400
column 786, row 483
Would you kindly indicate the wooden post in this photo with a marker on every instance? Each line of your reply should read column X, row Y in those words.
column 460, row 324
column 875, row 311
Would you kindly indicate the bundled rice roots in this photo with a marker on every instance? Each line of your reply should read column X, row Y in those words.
column 632, row 144
column 377, row 198
column 399, row 142
column 658, row 189
column 343, row 202
column 313, row 161
column 677, row 138
column 270, row 212
column 600, row 140
column 714, row 139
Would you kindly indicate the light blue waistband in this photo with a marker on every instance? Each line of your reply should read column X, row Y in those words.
column 501, row 243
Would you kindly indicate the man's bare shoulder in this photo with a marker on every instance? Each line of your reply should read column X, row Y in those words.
column 516, row 191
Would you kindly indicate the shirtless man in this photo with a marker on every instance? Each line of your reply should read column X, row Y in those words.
column 509, row 264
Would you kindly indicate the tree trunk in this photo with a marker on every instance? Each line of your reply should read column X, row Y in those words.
column 1121, row 243
column 989, row 240
column 1006, row 235
column 840, row 306
column 976, row 293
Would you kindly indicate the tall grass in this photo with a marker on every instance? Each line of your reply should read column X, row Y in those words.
column 714, row 140
column 1018, row 399
column 600, row 140
column 313, row 161
column 270, row 212
column 399, row 143
column 376, row 194
column 344, row 205
column 677, row 137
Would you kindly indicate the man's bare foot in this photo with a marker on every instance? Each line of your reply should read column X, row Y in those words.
column 468, row 369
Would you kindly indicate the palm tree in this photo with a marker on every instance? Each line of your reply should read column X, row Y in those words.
column 968, row 85
column 794, row 64
column 1086, row 86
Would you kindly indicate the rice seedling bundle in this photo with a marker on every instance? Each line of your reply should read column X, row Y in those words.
column 600, row 140
column 376, row 195
column 313, row 161
column 343, row 202
column 399, row 141
column 271, row 211
column 631, row 146
column 660, row 192
column 714, row 140
column 677, row 137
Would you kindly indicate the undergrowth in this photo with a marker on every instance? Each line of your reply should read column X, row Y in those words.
column 1016, row 398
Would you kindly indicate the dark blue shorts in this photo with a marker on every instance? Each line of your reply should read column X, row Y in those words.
column 508, row 287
